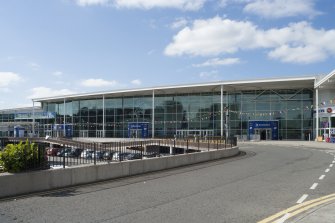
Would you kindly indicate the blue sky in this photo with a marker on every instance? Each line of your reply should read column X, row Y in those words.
column 71, row 46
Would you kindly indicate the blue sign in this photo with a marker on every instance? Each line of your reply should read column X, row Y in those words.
column 273, row 125
column 142, row 126
column 60, row 128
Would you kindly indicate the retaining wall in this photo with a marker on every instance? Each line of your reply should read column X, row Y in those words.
column 12, row 184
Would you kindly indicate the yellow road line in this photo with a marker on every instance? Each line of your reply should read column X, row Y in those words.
column 303, row 207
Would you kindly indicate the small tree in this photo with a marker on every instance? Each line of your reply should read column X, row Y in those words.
column 22, row 156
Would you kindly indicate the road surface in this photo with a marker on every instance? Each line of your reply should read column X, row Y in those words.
column 265, row 180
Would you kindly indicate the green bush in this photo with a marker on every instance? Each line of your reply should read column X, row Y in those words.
column 22, row 156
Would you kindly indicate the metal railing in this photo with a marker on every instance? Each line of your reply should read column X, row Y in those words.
column 62, row 153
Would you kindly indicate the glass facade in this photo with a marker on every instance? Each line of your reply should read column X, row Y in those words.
column 110, row 116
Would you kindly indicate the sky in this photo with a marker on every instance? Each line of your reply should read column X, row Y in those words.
column 56, row 47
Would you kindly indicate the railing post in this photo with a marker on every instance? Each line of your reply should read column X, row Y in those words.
column 120, row 151
column 95, row 153
column 63, row 156
column 187, row 146
column 198, row 145
column 142, row 150
column 208, row 145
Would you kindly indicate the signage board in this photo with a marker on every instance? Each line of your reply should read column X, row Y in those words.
column 38, row 115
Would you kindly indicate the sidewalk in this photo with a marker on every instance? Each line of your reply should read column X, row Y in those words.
column 321, row 214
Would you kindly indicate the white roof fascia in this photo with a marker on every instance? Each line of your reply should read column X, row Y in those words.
column 324, row 79
column 177, row 86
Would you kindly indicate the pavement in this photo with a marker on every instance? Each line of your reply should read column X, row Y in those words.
column 324, row 214
column 322, row 210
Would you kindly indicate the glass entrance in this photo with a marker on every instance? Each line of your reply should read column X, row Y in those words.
column 265, row 134
column 136, row 133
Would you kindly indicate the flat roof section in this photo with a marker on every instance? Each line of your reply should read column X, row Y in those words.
column 228, row 86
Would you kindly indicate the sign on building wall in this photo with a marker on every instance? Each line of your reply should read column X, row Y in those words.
column 264, row 125
column 38, row 115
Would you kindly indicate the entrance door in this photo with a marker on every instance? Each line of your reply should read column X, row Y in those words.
column 136, row 133
column 264, row 134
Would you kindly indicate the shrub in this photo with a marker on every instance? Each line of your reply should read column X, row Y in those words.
column 22, row 156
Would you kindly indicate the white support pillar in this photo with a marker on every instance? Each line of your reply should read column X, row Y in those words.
column 64, row 130
column 103, row 116
column 33, row 127
column 153, row 115
column 317, row 113
column 221, row 111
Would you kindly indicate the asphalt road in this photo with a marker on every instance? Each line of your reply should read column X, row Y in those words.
column 247, row 188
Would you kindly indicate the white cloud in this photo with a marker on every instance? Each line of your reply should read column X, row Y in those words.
column 98, row 83
column 147, row 4
column 217, row 36
column 57, row 73
column 218, row 62
column 136, row 82
column 92, row 2
column 179, row 23
column 281, row 8
column 42, row 92
column 7, row 78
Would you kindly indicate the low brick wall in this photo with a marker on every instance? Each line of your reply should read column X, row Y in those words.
column 22, row 183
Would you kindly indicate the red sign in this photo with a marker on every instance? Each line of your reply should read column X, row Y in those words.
column 329, row 110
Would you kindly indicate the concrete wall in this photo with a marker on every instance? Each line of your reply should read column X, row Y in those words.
column 23, row 183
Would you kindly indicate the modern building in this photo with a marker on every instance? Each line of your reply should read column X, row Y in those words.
column 271, row 109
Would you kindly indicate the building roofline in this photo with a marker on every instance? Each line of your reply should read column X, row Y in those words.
column 324, row 79
column 218, row 83
column 21, row 109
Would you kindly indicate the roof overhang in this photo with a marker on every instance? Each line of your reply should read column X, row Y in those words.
column 228, row 86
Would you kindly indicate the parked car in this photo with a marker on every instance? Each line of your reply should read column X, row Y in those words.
column 86, row 154
column 108, row 155
column 120, row 156
column 98, row 154
column 134, row 156
column 151, row 155
column 75, row 152
column 52, row 151
column 64, row 152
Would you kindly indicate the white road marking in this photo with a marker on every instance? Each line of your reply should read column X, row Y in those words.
column 284, row 218
column 313, row 186
column 333, row 161
column 327, row 170
column 331, row 165
column 303, row 197
column 321, row 177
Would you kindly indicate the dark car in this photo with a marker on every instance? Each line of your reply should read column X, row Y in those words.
column 75, row 152
column 99, row 155
column 120, row 156
column 64, row 152
column 134, row 156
